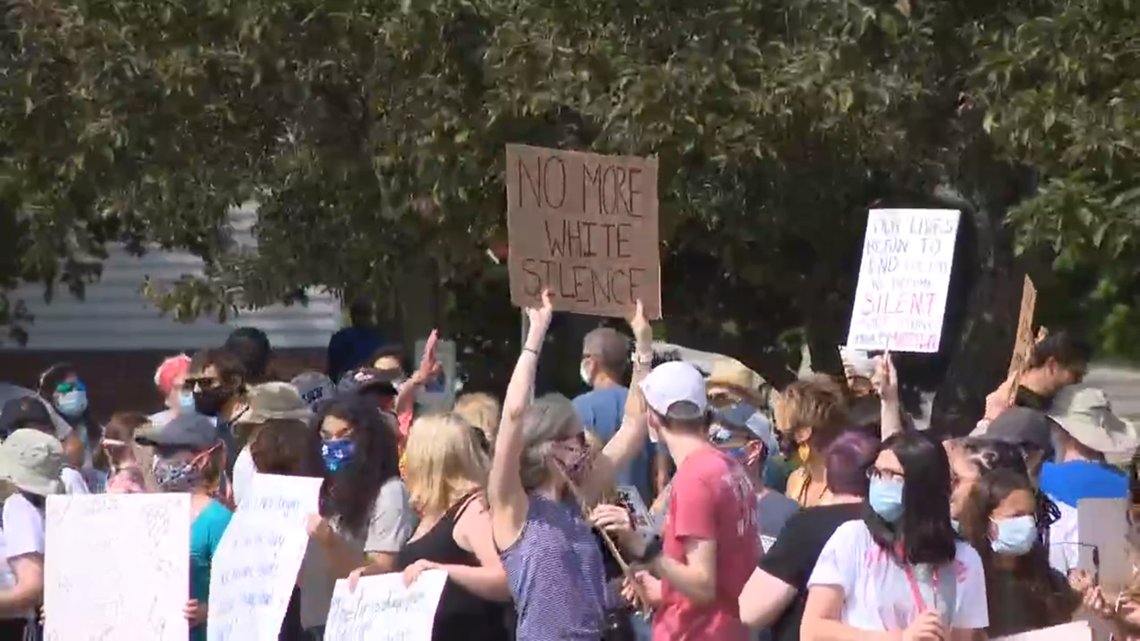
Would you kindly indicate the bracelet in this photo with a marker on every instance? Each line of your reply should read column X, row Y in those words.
column 532, row 351
column 645, row 360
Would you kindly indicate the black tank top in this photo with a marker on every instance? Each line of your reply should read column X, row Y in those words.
column 461, row 614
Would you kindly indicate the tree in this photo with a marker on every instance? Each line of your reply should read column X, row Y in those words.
column 371, row 134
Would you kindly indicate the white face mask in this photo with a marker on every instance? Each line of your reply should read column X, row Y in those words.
column 584, row 372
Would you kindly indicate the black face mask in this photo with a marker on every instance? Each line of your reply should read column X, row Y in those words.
column 210, row 402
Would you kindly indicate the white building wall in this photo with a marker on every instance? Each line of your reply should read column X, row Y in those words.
column 114, row 314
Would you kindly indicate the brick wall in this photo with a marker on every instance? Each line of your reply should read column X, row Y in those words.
column 124, row 381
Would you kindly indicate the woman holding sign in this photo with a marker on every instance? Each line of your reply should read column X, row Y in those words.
column 553, row 564
column 448, row 460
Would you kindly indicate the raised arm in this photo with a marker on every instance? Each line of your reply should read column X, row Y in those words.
column 886, row 383
column 428, row 369
column 505, row 492
column 630, row 438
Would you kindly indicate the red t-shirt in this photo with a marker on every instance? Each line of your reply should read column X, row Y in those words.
column 712, row 498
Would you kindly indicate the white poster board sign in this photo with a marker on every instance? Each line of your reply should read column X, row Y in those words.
column 903, row 280
column 256, row 565
column 644, row 523
column 1102, row 529
column 382, row 609
column 1075, row 631
column 117, row 566
column 439, row 395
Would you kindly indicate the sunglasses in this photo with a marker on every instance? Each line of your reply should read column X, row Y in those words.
column 70, row 386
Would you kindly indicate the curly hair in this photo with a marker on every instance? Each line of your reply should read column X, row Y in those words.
column 350, row 493
column 1050, row 600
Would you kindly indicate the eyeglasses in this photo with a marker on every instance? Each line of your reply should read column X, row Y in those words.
column 886, row 475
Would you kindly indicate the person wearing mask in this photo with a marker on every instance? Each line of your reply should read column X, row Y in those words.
column 1031, row 433
column 1023, row 592
column 30, row 462
column 267, row 402
column 170, row 379
column 448, row 461
column 365, row 514
column 732, row 384
column 130, row 465
column 775, row 594
column 1088, row 439
column 540, row 462
column 218, row 381
column 744, row 433
column 605, row 358
column 252, row 348
column 970, row 458
column 29, row 412
column 350, row 347
column 190, row 457
column 60, row 385
column 314, row 388
column 710, row 541
column 902, row 568
column 809, row 415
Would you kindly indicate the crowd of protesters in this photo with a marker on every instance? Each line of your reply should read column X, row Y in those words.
column 795, row 523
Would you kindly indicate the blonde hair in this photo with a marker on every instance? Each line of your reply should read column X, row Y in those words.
column 481, row 411
column 816, row 402
column 545, row 421
column 443, row 461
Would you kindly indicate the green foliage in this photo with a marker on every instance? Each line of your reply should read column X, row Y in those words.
column 371, row 134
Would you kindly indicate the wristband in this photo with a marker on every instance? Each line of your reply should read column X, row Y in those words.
column 644, row 360
column 532, row 351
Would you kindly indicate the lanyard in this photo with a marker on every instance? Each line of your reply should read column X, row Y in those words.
column 919, row 602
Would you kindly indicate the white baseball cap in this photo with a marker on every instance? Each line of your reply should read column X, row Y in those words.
column 677, row 391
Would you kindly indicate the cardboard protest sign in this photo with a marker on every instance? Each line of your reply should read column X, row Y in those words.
column 118, row 567
column 901, row 295
column 1102, row 529
column 584, row 226
column 1075, row 631
column 1025, row 337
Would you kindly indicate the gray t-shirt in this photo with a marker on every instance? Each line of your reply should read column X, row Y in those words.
column 773, row 510
column 389, row 527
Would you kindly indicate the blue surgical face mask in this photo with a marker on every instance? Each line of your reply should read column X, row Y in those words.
column 885, row 498
column 72, row 404
column 337, row 453
column 1015, row 536
column 186, row 402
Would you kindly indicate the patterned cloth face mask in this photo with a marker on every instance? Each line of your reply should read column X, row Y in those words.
column 337, row 453
column 177, row 476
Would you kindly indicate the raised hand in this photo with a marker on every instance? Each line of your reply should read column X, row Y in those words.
column 642, row 331
column 886, row 379
column 539, row 317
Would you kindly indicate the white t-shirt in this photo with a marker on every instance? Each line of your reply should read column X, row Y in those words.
column 73, row 482
column 244, row 471
column 878, row 595
column 23, row 534
column 1064, row 544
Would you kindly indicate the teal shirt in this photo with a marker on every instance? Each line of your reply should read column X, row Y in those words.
column 205, row 536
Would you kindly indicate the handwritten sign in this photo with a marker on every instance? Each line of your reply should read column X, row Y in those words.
column 585, row 226
column 117, row 567
column 257, row 562
column 1075, row 631
column 381, row 608
column 901, row 296
column 438, row 395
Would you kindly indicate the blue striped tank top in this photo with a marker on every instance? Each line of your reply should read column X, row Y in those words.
column 555, row 574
